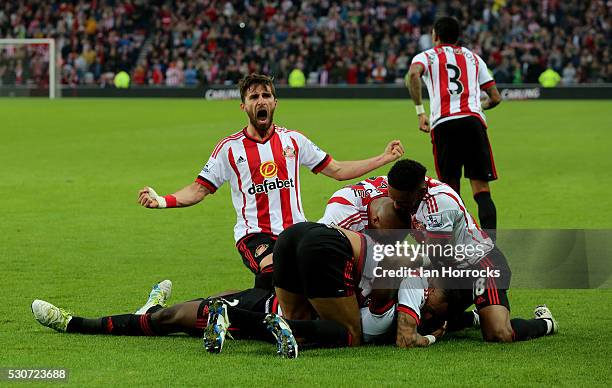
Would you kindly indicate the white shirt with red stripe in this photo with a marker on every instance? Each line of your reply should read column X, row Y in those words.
column 412, row 295
column 442, row 214
column 349, row 206
column 411, row 298
column 264, row 178
column 454, row 77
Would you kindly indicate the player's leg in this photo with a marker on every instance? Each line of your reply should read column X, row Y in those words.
column 345, row 311
column 487, row 212
column 480, row 169
column 294, row 306
column 287, row 278
column 325, row 261
column 493, row 306
column 448, row 157
column 175, row 319
column 495, row 323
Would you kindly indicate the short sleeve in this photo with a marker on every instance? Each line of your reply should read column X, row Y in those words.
column 342, row 212
column 411, row 296
column 310, row 155
column 420, row 58
column 215, row 171
column 485, row 80
column 440, row 216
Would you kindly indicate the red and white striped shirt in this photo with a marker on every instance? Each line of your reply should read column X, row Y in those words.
column 348, row 207
column 264, row 178
column 454, row 77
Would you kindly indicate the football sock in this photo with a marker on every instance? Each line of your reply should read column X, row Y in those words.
column 320, row 334
column 524, row 329
column 487, row 214
column 315, row 333
column 249, row 324
column 125, row 324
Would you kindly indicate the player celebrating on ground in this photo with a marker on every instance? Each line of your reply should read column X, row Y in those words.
column 440, row 215
column 454, row 77
column 261, row 163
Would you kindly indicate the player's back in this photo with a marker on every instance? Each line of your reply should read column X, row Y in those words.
column 348, row 207
column 442, row 213
column 454, row 76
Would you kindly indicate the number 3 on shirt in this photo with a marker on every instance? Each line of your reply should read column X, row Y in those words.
column 454, row 79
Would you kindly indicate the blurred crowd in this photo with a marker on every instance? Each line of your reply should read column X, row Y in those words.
column 191, row 42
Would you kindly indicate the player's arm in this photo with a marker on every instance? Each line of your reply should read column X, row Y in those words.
column 493, row 98
column 187, row 196
column 413, row 82
column 345, row 170
column 407, row 335
column 210, row 178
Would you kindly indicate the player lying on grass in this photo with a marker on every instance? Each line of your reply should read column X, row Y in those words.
column 261, row 163
column 441, row 217
column 252, row 312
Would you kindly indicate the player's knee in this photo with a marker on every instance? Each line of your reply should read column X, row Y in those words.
column 499, row 334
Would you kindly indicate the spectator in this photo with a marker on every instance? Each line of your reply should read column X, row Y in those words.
column 569, row 74
column 549, row 78
column 297, row 79
column 225, row 40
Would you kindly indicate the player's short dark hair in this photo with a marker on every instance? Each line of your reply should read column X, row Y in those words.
column 447, row 29
column 255, row 79
column 406, row 175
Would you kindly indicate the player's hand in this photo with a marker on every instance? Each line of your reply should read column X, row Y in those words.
column 147, row 197
column 439, row 333
column 424, row 123
column 393, row 151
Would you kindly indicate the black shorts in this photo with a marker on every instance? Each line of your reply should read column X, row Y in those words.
column 463, row 143
column 490, row 291
column 316, row 261
column 253, row 248
column 253, row 299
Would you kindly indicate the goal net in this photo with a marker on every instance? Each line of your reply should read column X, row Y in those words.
column 28, row 68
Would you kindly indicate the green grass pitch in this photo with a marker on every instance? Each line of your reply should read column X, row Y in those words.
column 72, row 233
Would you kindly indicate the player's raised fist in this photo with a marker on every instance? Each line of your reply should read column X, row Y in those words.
column 424, row 123
column 148, row 198
column 394, row 150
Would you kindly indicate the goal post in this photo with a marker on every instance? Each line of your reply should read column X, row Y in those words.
column 16, row 60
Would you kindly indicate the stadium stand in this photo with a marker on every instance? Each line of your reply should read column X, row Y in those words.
column 186, row 43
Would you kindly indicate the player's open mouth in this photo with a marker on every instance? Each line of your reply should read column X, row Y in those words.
column 262, row 115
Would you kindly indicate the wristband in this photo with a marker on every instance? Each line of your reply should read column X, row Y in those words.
column 170, row 200
column 430, row 338
column 420, row 110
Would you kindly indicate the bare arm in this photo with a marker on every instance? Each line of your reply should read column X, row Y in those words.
column 344, row 170
column 407, row 335
column 187, row 196
column 414, row 86
column 414, row 83
column 494, row 98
